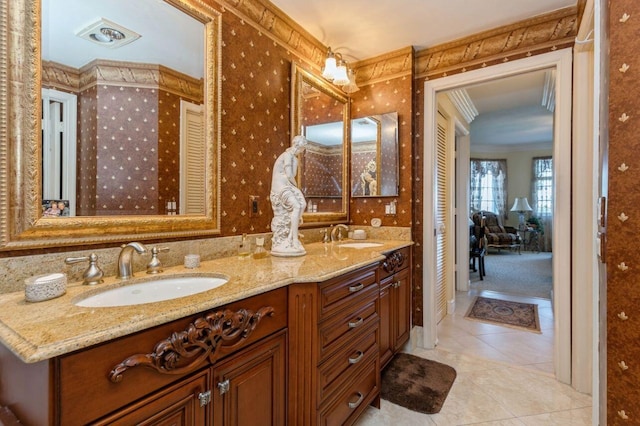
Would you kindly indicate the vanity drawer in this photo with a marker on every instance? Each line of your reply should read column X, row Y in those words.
column 341, row 291
column 344, row 409
column 339, row 368
column 86, row 392
column 339, row 331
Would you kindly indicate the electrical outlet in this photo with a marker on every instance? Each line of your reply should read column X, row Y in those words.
column 254, row 208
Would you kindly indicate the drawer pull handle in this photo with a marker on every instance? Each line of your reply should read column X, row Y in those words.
column 356, row 323
column 357, row 358
column 353, row 405
column 355, row 288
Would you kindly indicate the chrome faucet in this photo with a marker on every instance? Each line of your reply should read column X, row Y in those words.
column 338, row 228
column 125, row 265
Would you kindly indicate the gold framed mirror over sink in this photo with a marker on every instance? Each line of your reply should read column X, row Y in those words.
column 122, row 174
column 320, row 112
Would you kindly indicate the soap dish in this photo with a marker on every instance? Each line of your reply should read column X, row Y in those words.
column 45, row 287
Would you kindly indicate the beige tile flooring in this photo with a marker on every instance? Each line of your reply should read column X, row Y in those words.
column 504, row 376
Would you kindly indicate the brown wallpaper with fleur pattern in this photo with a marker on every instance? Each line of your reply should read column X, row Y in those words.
column 129, row 150
column 622, row 255
column 323, row 172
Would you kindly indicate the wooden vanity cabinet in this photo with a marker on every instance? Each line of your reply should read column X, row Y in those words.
column 394, row 274
column 334, row 364
column 141, row 379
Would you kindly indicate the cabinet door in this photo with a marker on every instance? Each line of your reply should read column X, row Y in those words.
column 249, row 387
column 386, row 323
column 402, row 304
column 184, row 403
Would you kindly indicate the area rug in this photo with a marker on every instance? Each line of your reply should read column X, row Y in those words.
column 416, row 383
column 523, row 316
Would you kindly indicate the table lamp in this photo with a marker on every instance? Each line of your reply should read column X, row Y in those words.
column 521, row 205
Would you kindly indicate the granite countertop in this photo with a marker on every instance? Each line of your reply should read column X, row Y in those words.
column 43, row 330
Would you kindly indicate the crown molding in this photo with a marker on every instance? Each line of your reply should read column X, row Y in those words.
column 536, row 35
column 125, row 74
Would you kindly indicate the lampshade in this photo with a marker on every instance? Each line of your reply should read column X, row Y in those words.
column 351, row 86
column 521, row 205
column 329, row 70
column 340, row 77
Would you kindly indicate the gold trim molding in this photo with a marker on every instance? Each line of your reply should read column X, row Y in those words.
column 554, row 30
column 127, row 74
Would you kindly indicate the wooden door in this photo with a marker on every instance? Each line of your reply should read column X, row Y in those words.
column 249, row 388
column 402, row 305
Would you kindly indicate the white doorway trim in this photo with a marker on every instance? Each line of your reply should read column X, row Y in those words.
column 562, row 61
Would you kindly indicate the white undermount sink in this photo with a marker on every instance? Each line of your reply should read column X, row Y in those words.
column 153, row 290
column 360, row 245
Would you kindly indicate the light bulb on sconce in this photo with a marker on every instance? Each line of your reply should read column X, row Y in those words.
column 329, row 66
column 336, row 70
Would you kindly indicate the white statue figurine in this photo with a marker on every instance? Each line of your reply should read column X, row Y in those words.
column 287, row 201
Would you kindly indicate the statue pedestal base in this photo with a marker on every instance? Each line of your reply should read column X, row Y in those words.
column 289, row 252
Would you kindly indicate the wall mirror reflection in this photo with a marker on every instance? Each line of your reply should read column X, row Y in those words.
column 374, row 156
column 321, row 113
column 119, row 167
column 122, row 108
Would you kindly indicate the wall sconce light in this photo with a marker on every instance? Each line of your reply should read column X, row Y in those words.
column 335, row 70
column 521, row 205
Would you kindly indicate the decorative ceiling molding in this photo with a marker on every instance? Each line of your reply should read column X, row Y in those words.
column 463, row 103
column 398, row 63
column 551, row 31
column 125, row 74
column 542, row 33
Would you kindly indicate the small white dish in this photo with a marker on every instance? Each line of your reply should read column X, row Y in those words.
column 45, row 287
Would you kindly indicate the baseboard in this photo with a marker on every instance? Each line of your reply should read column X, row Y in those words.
column 451, row 306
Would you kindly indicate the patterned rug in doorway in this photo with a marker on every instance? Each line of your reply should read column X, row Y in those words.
column 523, row 316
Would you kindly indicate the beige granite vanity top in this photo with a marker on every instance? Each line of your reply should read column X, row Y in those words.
column 39, row 331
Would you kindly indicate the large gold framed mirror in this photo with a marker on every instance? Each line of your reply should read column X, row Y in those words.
column 320, row 112
column 100, row 138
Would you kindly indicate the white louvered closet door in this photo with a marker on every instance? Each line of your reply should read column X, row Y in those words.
column 192, row 159
column 443, row 227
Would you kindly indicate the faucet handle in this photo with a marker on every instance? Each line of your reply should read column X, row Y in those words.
column 325, row 236
column 155, row 266
column 93, row 274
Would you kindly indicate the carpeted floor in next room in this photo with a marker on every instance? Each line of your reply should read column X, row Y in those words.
column 527, row 274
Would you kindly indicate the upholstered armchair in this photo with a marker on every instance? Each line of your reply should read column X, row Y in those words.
column 496, row 235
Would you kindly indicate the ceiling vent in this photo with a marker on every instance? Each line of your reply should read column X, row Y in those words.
column 108, row 34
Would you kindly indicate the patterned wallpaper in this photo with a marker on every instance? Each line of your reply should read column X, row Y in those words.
column 127, row 135
column 379, row 98
column 255, row 122
column 323, row 172
column 623, row 217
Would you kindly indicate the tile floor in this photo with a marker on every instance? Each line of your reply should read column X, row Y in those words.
column 504, row 376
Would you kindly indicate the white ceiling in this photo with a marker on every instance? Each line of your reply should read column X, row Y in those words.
column 511, row 115
column 168, row 36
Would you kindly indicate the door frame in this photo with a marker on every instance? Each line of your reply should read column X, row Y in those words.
column 562, row 61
